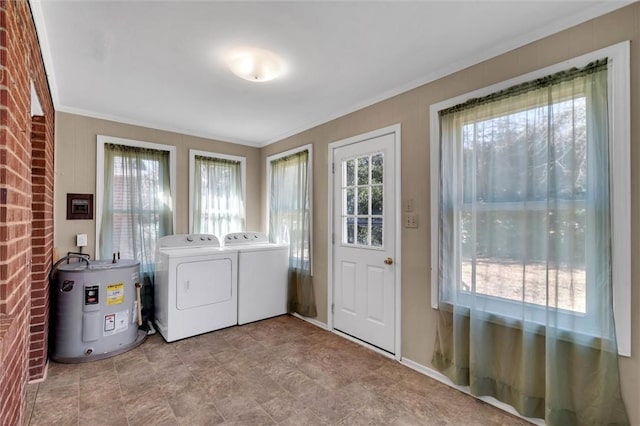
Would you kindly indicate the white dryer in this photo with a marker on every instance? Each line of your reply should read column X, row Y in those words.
column 262, row 275
column 196, row 286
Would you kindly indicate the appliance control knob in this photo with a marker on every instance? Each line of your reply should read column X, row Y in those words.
column 201, row 238
column 246, row 237
column 235, row 237
column 209, row 238
column 189, row 238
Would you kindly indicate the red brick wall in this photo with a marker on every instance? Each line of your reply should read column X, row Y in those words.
column 41, row 241
column 20, row 62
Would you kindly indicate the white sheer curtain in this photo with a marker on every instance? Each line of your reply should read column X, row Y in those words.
column 526, row 303
column 136, row 204
column 290, row 222
column 218, row 200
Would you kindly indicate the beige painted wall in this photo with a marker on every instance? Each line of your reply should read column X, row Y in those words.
column 75, row 171
column 411, row 109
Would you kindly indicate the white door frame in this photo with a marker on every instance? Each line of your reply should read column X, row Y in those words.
column 395, row 129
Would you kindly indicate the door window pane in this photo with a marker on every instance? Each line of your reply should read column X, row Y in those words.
column 363, row 231
column 376, row 168
column 363, row 170
column 376, row 200
column 363, row 201
column 376, row 232
column 351, row 172
column 351, row 201
column 362, row 209
column 350, row 229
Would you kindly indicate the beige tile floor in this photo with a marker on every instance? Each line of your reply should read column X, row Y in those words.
column 278, row 371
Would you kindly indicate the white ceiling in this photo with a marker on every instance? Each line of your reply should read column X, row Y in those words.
column 160, row 63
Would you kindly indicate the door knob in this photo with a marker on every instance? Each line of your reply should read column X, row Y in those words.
column 388, row 261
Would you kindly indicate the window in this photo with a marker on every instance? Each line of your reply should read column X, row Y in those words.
column 289, row 177
column 524, row 175
column 217, row 193
column 134, row 199
column 362, row 201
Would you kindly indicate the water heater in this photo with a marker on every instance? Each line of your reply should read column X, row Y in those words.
column 94, row 310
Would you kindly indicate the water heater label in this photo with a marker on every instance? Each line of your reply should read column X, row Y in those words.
column 115, row 294
column 91, row 293
column 116, row 322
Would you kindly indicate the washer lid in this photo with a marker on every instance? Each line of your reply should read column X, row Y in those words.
column 261, row 247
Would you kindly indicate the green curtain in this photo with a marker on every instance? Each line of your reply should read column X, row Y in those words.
column 137, row 203
column 218, row 206
column 290, row 222
column 525, row 290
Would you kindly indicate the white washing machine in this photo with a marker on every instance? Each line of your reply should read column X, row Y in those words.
column 263, row 268
column 196, row 286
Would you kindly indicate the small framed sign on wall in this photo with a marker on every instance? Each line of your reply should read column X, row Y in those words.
column 79, row 206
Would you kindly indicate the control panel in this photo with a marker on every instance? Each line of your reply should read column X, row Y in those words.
column 238, row 238
column 189, row 240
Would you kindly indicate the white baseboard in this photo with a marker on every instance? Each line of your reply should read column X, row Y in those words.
column 427, row 371
column 436, row 375
column 311, row 321
column 364, row 344
column 344, row 336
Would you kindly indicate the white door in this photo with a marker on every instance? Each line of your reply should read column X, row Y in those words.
column 364, row 225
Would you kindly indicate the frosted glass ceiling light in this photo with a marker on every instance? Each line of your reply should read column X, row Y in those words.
column 255, row 64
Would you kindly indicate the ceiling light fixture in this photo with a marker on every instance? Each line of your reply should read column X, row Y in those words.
column 255, row 64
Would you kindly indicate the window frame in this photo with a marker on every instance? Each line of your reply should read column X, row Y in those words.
column 619, row 132
column 101, row 141
column 214, row 155
column 269, row 160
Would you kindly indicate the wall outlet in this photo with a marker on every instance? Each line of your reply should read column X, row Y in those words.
column 411, row 220
column 81, row 240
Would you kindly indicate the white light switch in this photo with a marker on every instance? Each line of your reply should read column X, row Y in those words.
column 81, row 240
column 408, row 205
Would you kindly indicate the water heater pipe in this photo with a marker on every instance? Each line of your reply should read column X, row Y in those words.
column 70, row 256
column 139, row 304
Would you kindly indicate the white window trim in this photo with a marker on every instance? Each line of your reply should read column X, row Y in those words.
column 101, row 141
column 308, row 147
column 215, row 155
column 619, row 131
